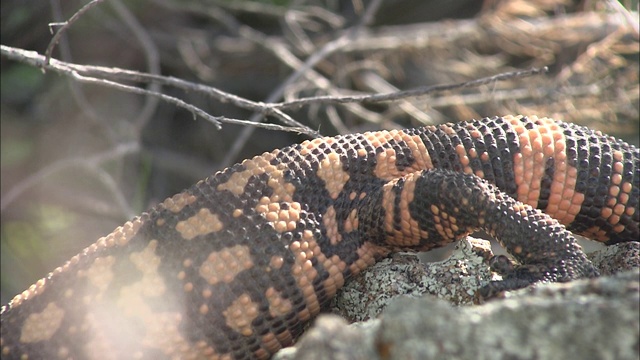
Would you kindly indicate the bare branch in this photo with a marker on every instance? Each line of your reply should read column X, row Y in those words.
column 64, row 26
column 398, row 95
column 151, row 54
column 301, row 69
column 87, row 74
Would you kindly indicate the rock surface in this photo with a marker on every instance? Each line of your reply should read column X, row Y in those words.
column 425, row 313
column 455, row 279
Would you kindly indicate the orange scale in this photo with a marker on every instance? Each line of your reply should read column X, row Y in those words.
column 283, row 215
column 618, row 167
column 574, row 209
column 524, row 141
column 533, row 134
column 571, row 182
column 557, row 188
column 614, row 191
column 568, row 193
column 564, row 205
column 617, row 155
column 538, row 158
column 561, row 156
column 555, row 199
column 614, row 219
column 606, row 212
column 561, row 215
column 616, row 179
column 291, row 225
column 535, row 186
column 307, row 266
column 523, row 192
column 623, row 198
column 619, row 209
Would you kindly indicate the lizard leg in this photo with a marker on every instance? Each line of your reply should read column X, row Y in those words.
column 447, row 205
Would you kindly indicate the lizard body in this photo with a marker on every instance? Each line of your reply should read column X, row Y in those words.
column 236, row 265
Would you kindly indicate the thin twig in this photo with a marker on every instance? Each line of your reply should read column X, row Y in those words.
column 64, row 26
column 153, row 61
column 424, row 90
column 77, row 71
column 301, row 70
column 77, row 92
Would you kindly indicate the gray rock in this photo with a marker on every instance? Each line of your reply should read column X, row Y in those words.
column 587, row 319
column 616, row 258
column 455, row 280
column 427, row 318
column 332, row 338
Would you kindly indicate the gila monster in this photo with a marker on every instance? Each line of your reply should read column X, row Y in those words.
column 235, row 266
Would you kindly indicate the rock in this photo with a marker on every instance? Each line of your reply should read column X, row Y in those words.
column 616, row 258
column 455, row 280
column 332, row 338
column 425, row 314
column 586, row 319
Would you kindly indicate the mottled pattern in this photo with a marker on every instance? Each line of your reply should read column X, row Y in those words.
column 235, row 266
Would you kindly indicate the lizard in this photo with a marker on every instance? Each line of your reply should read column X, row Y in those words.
column 235, row 266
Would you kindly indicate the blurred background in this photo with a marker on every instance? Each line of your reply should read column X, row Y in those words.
column 77, row 160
